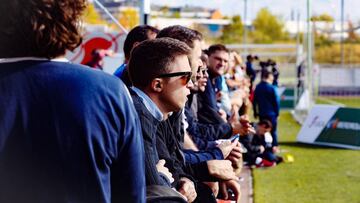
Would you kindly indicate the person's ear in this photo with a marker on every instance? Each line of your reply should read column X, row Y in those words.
column 157, row 85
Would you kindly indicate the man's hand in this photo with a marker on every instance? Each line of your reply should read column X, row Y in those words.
column 221, row 169
column 214, row 186
column 244, row 120
column 262, row 149
column 276, row 149
column 235, row 154
column 242, row 126
column 187, row 189
column 160, row 166
column 222, row 114
column 226, row 147
column 230, row 184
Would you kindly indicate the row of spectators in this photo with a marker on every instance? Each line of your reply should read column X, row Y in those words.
column 165, row 129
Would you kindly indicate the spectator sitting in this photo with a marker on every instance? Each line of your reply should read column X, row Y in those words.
column 134, row 37
column 259, row 146
column 67, row 133
column 161, row 82
column 209, row 111
column 170, row 134
column 235, row 74
column 250, row 70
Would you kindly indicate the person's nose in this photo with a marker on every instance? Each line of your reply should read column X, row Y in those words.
column 201, row 64
column 205, row 74
column 190, row 84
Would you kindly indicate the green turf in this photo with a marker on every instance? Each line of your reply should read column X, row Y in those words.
column 319, row 174
column 347, row 101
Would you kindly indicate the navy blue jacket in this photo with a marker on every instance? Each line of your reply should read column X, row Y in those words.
column 169, row 148
column 266, row 100
column 202, row 133
column 67, row 134
column 207, row 105
column 194, row 157
column 250, row 71
column 123, row 73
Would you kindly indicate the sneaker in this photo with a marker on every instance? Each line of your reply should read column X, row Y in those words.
column 266, row 163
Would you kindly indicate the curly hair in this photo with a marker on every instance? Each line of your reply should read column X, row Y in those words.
column 42, row 28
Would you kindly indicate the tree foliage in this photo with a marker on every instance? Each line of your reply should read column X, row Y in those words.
column 129, row 18
column 332, row 54
column 268, row 28
column 91, row 16
column 323, row 17
column 233, row 32
column 352, row 36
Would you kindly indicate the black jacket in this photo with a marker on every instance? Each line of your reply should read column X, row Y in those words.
column 149, row 126
column 169, row 148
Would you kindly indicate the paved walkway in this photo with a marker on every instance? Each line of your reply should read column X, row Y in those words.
column 246, row 183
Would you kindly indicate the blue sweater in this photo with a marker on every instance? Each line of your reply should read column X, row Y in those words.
column 266, row 100
column 67, row 134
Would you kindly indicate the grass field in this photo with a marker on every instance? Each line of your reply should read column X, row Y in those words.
column 347, row 101
column 319, row 174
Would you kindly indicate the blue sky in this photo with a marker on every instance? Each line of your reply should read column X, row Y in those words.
column 278, row 7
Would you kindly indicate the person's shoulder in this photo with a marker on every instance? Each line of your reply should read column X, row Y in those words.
column 84, row 73
column 261, row 84
column 85, row 79
column 273, row 87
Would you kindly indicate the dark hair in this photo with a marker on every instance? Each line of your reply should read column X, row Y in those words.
column 152, row 58
column 265, row 74
column 43, row 28
column 204, row 57
column 137, row 34
column 249, row 57
column 181, row 33
column 216, row 47
column 266, row 123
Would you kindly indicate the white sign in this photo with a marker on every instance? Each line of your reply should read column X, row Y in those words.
column 315, row 122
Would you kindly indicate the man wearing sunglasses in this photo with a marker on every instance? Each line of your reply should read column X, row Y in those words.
column 171, row 136
column 161, row 83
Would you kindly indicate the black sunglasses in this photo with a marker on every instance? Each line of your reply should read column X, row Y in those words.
column 186, row 74
column 202, row 70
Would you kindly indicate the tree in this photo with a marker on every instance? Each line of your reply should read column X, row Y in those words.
column 91, row 16
column 176, row 14
column 129, row 18
column 323, row 17
column 352, row 36
column 268, row 28
column 321, row 38
column 233, row 32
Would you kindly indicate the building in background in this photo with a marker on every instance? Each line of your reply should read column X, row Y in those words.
column 208, row 21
